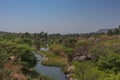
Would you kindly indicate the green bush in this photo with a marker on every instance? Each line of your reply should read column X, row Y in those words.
column 29, row 57
column 109, row 62
column 57, row 49
column 87, row 71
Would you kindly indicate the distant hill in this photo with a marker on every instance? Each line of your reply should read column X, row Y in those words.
column 2, row 32
column 103, row 31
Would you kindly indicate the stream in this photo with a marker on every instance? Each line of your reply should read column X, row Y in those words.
column 51, row 71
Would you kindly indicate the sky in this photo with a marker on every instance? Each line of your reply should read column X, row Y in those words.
column 58, row 16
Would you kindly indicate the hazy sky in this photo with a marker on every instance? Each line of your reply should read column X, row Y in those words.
column 58, row 16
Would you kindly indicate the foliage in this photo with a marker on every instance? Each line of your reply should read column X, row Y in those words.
column 103, row 49
column 29, row 57
column 54, row 60
column 97, row 50
column 109, row 62
column 57, row 49
column 114, row 31
column 70, row 42
column 87, row 71
column 110, row 32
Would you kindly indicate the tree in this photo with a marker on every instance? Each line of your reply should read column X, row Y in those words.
column 110, row 32
column 26, row 35
column 119, row 29
column 29, row 58
column 37, row 44
column 70, row 42
column 116, row 31
column 27, row 40
column 45, row 35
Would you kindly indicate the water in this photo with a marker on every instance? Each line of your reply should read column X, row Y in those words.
column 44, row 49
column 55, row 72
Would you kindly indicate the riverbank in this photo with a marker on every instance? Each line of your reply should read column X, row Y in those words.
column 55, row 72
column 50, row 59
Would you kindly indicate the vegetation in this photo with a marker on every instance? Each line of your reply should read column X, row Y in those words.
column 17, row 59
column 114, row 31
column 93, row 56
column 54, row 60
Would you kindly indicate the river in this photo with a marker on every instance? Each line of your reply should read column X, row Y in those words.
column 52, row 71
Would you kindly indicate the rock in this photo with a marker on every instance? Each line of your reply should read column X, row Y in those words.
column 78, row 54
column 82, row 58
column 70, row 76
column 19, row 77
column 12, row 58
column 82, row 52
column 76, row 58
column 71, row 67
column 96, row 40
column 91, row 38
column 44, row 58
column 89, row 56
column 72, row 79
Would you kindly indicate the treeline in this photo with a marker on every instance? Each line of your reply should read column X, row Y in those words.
column 114, row 31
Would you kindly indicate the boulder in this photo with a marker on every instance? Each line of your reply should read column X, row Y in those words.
column 91, row 38
column 70, row 68
column 12, row 58
column 76, row 58
column 73, row 79
column 44, row 58
column 82, row 58
column 70, row 76
column 89, row 56
column 78, row 54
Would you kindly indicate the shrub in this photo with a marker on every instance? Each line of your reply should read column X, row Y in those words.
column 57, row 49
column 87, row 71
column 109, row 62
column 29, row 57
